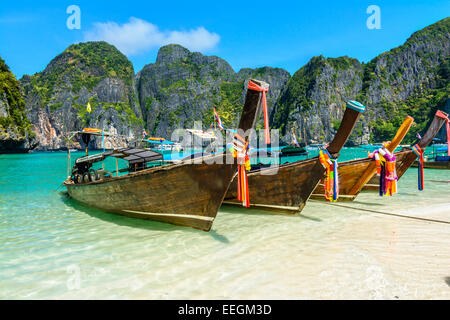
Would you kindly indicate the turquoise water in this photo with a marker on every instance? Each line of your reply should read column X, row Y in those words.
column 52, row 247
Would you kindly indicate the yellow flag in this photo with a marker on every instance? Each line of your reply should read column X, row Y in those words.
column 88, row 108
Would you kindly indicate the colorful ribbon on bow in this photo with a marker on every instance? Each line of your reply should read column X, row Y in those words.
column 385, row 162
column 331, row 180
column 419, row 152
column 254, row 86
column 442, row 115
column 240, row 150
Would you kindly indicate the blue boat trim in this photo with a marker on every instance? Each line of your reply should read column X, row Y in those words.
column 355, row 105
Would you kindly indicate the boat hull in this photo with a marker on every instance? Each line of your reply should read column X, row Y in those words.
column 405, row 159
column 286, row 188
column 354, row 175
column 350, row 173
column 192, row 198
column 187, row 193
column 279, row 189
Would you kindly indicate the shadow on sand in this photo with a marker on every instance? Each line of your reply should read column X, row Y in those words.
column 374, row 204
column 447, row 281
column 253, row 211
column 134, row 222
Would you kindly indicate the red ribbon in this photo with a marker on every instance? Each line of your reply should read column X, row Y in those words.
column 442, row 115
column 242, row 192
column 419, row 152
column 254, row 86
column 242, row 183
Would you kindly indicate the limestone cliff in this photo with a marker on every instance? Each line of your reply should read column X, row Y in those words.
column 182, row 87
column 95, row 73
column 15, row 129
column 412, row 79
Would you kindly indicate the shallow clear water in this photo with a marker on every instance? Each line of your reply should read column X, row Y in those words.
column 53, row 248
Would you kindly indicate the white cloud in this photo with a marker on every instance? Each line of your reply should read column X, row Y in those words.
column 137, row 36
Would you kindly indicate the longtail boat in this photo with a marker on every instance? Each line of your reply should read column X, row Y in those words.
column 285, row 188
column 354, row 174
column 187, row 193
column 407, row 157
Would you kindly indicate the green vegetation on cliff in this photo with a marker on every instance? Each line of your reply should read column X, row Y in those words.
column 12, row 103
column 412, row 79
column 228, row 104
column 428, row 96
column 183, row 86
column 296, row 94
column 91, row 72
column 80, row 65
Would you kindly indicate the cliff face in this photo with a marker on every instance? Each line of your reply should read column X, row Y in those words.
column 95, row 73
column 182, row 87
column 276, row 77
column 179, row 88
column 311, row 106
column 412, row 79
column 15, row 129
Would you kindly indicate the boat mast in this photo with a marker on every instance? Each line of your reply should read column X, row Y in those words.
column 68, row 160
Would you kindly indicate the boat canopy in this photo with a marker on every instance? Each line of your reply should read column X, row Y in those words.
column 202, row 134
column 132, row 155
column 91, row 132
column 158, row 140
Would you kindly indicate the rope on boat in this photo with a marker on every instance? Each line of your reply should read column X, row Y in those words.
column 385, row 213
column 59, row 187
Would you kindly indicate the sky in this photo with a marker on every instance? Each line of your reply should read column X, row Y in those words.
column 247, row 34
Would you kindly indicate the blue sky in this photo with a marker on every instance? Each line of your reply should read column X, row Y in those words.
column 252, row 34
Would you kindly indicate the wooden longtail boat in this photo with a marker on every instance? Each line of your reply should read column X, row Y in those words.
column 188, row 193
column 354, row 174
column 405, row 158
column 286, row 188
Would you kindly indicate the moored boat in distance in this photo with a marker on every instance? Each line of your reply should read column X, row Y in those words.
column 440, row 162
column 436, row 161
column 292, row 151
column 354, row 174
column 187, row 193
column 285, row 188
